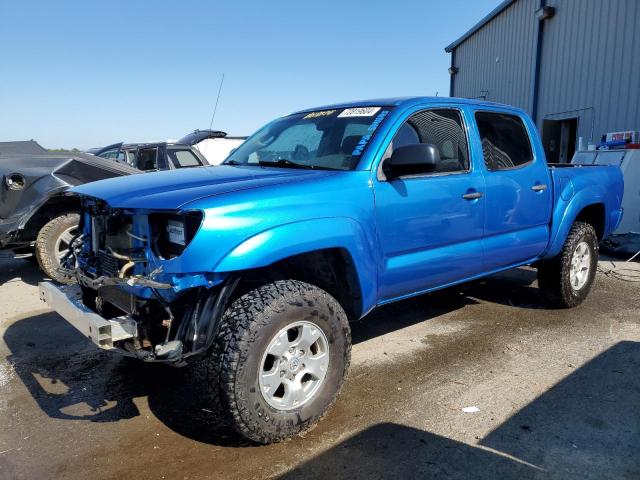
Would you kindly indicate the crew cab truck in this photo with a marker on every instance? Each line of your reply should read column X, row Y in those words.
column 254, row 268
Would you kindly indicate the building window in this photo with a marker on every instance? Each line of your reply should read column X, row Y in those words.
column 505, row 142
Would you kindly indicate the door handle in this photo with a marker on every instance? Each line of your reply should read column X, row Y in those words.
column 540, row 187
column 472, row 195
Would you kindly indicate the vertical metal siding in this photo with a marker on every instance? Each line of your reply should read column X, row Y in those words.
column 589, row 67
column 509, row 37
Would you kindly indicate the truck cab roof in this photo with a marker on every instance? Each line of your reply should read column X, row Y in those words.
column 406, row 101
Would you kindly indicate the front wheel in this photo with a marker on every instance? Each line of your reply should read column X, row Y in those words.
column 284, row 351
column 565, row 281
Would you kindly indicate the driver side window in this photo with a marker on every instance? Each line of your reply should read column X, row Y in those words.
column 442, row 128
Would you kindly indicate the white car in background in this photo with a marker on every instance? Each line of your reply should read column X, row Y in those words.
column 214, row 145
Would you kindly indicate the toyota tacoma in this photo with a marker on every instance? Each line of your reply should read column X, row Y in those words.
column 256, row 267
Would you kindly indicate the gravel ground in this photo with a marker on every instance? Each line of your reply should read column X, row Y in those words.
column 557, row 394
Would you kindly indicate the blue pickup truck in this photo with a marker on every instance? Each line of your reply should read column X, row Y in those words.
column 254, row 268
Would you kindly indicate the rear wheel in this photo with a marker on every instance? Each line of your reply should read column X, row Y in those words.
column 52, row 244
column 282, row 355
column 565, row 281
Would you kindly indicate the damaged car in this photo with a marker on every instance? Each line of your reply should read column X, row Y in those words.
column 36, row 215
column 256, row 267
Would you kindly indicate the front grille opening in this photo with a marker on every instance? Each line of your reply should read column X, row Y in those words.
column 112, row 242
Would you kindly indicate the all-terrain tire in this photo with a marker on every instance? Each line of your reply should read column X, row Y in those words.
column 247, row 328
column 46, row 242
column 554, row 275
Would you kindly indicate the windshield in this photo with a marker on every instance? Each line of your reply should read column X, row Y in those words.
column 325, row 139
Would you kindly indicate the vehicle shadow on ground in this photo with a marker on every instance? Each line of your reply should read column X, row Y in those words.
column 19, row 269
column 586, row 426
column 71, row 379
column 513, row 288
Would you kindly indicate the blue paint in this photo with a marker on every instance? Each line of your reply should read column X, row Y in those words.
column 405, row 237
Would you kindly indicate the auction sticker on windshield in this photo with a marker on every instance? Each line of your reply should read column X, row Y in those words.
column 359, row 112
column 322, row 113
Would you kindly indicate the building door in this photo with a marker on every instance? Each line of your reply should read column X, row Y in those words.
column 559, row 139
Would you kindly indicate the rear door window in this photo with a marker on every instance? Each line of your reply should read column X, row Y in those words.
column 147, row 159
column 505, row 142
column 183, row 158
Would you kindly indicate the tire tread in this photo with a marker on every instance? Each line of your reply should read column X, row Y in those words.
column 234, row 337
column 553, row 280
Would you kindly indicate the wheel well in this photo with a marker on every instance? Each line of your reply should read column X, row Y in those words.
column 594, row 215
column 331, row 269
column 55, row 206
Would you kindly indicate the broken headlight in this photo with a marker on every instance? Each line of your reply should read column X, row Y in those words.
column 173, row 232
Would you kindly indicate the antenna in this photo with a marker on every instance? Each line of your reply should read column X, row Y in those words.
column 216, row 105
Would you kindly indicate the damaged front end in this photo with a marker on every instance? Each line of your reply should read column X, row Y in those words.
column 127, row 264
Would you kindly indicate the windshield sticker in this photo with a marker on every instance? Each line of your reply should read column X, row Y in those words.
column 372, row 128
column 359, row 112
column 322, row 113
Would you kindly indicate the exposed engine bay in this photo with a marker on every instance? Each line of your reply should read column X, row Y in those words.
column 119, row 259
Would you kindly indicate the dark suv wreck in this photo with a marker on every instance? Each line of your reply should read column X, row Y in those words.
column 36, row 215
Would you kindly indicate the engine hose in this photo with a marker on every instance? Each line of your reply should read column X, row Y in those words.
column 127, row 266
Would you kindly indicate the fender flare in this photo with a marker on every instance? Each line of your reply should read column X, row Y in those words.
column 36, row 207
column 284, row 241
column 569, row 212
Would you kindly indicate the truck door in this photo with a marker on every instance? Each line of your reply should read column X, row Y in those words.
column 517, row 189
column 430, row 225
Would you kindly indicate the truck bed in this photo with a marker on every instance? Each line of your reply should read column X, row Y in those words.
column 572, row 184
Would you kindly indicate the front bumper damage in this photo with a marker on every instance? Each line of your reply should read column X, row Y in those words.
column 67, row 301
column 133, row 295
column 195, row 332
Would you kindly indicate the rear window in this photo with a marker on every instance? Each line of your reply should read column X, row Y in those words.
column 505, row 143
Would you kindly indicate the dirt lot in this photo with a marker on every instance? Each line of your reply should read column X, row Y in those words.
column 558, row 394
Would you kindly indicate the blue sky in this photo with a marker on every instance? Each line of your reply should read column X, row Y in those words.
column 88, row 73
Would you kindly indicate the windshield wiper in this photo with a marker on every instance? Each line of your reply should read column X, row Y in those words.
column 283, row 162
column 231, row 162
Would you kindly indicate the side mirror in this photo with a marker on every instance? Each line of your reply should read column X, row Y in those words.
column 411, row 160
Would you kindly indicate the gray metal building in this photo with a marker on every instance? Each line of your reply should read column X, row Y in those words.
column 573, row 65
